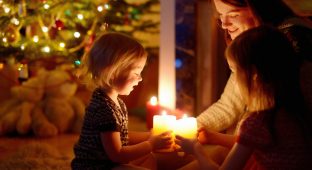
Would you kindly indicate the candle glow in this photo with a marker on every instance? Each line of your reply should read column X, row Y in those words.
column 186, row 127
column 163, row 123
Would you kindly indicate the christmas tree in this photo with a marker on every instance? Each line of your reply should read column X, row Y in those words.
column 36, row 29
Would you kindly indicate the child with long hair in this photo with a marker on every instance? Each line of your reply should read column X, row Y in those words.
column 276, row 132
column 114, row 64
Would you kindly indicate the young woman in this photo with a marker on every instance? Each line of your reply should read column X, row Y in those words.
column 114, row 63
column 276, row 133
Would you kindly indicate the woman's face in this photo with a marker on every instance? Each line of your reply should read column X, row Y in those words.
column 234, row 20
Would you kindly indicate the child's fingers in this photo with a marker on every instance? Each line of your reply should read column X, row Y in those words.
column 200, row 129
column 179, row 137
column 166, row 133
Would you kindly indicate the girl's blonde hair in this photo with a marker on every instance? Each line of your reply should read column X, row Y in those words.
column 110, row 59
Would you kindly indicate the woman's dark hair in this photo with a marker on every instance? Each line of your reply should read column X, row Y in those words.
column 272, row 12
column 269, row 12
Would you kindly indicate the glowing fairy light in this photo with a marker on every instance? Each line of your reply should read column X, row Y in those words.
column 36, row 38
column 45, row 29
column 22, row 47
column 100, row 8
column 7, row 9
column 80, row 16
column 77, row 34
column 46, row 6
column 4, row 39
column 15, row 21
column 46, row 49
column 77, row 62
column 106, row 6
column 62, row 44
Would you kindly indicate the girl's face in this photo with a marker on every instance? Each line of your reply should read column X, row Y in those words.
column 234, row 20
column 134, row 78
column 240, row 78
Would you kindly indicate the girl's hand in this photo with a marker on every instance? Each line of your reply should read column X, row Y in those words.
column 187, row 145
column 206, row 136
column 162, row 141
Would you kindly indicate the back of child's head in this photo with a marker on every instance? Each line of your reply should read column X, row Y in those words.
column 111, row 58
column 267, row 52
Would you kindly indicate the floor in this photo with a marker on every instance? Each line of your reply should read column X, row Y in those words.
column 15, row 150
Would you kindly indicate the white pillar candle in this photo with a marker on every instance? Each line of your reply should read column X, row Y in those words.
column 186, row 127
column 163, row 123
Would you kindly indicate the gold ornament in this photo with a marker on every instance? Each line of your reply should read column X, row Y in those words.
column 12, row 34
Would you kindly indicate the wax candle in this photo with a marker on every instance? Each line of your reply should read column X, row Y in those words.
column 186, row 127
column 152, row 108
column 163, row 123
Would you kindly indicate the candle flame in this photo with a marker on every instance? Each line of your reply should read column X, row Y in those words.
column 153, row 101
column 184, row 115
column 164, row 113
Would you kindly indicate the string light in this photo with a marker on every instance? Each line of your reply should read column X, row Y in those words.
column 15, row 21
column 62, row 44
column 100, row 8
column 36, row 38
column 4, row 39
column 106, row 6
column 80, row 16
column 6, row 9
column 76, row 34
column 22, row 47
column 45, row 29
column 46, row 6
column 46, row 49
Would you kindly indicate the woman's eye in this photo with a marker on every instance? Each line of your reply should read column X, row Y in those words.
column 233, row 15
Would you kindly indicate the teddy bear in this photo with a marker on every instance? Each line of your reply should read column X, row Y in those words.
column 61, row 107
column 15, row 113
column 44, row 105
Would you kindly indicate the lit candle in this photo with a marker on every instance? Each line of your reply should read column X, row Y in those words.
column 186, row 127
column 152, row 108
column 163, row 123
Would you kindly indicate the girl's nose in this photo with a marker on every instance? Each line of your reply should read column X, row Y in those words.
column 140, row 78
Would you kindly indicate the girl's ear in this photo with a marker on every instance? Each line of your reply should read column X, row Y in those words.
column 254, row 76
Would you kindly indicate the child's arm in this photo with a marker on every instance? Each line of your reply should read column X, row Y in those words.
column 236, row 159
column 137, row 137
column 123, row 154
column 215, row 138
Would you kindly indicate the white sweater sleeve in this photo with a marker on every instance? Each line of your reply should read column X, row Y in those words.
column 226, row 111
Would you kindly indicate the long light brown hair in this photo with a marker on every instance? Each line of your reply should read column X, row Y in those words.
column 110, row 59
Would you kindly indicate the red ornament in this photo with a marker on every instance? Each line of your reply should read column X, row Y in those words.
column 59, row 24
column 90, row 42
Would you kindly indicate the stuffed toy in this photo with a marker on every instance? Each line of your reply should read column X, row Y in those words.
column 44, row 105
column 61, row 107
column 15, row 114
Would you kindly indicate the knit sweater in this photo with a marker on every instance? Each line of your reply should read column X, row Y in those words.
column 227, row 111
